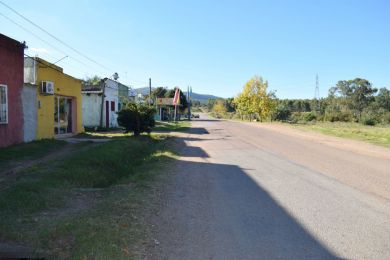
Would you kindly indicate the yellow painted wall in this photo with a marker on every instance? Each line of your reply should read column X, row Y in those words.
column 64, row 85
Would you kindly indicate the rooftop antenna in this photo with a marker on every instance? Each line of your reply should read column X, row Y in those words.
column 115, row 76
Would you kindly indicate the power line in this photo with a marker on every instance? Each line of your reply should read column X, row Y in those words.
column 44, row 41
column 54, row 37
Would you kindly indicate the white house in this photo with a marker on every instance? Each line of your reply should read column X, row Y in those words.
column 100, row 104
column 111, row 101
column 91, row 105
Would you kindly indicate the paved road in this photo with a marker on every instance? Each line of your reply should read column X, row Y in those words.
column 244, row 191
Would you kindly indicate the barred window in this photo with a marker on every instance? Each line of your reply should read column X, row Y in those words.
column 3, row 105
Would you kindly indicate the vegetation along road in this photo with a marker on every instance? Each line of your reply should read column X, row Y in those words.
column 254, row 191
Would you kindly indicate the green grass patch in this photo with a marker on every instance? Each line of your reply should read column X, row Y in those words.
column 103, row 135
column 180, row 126
column 88, row 204
column 379, row 135
column 30, row 150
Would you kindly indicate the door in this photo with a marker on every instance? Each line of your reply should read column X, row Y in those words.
column 107, row 114
column 63, row 120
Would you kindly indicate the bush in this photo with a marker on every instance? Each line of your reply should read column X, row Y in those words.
column 282, row 113
column 368, row 121
column 386, row 118
column 309, row 116
column 136, row 118
column 338, row 116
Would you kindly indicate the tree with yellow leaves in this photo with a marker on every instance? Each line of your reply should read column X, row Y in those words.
column 255, row 100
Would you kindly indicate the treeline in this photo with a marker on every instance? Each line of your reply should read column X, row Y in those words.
column 348, row 101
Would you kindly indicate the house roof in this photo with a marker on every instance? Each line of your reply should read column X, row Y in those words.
column 91, row 89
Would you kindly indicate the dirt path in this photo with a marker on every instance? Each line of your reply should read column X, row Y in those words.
column 242, row 191
column 12, row 170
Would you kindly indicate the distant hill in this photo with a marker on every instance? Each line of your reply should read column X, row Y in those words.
column 202, row 98
column 144, row 91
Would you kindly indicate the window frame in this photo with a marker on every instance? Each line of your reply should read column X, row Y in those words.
column 6, row 103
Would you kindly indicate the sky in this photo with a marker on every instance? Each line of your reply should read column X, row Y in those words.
column 212, row 46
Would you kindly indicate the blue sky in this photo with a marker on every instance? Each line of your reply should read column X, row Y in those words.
column 214, row 46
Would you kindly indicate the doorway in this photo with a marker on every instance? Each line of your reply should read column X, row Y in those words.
column 63, row 120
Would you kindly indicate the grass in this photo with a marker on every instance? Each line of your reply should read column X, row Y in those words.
column 379, row 135
column 30, row 150
column 89, row 204
column 103, row 135
column 179, row 126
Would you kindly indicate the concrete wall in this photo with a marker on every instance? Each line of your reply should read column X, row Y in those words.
column 91, row 109
column 111, row 95
column 11, row 75
column 30, row 103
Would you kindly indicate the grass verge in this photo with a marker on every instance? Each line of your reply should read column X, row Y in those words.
column 90, row 204
column 379, row 135
column 30, row 150
column 179, row 126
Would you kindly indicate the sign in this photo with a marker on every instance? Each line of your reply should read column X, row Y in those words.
column 164, row 101
column 176, row 98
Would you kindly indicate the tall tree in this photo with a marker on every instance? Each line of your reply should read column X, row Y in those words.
column 159, row 92
column 355, row 94
column 255, row 99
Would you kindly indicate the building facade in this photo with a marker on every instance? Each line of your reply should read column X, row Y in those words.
column 111, row 101
column 92, row 106
column 101, row 104
column 59, row 101
column 11, row 84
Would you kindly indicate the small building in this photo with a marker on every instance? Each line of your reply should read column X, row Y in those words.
column 59, row 110
column 11, row 84
column 92, row 105
column 100, row 104
column 123, row 95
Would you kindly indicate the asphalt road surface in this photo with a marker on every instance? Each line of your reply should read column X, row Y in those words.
column 253, row 191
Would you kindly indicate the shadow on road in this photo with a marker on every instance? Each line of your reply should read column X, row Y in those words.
column 217, row 211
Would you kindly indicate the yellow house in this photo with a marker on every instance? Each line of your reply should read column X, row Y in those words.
column 58, row 98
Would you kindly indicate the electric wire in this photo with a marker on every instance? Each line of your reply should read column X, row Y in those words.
column 54, row 37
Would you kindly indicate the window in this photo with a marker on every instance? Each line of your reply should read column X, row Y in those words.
column 3, row 105
column 112, row 106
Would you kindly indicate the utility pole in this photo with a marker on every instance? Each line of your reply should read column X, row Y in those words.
column 317, row 95
column 150, row 91
column 189, row 103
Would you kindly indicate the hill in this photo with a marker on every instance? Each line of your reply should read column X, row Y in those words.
column 195, row 96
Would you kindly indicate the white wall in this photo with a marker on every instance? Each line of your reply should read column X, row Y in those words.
column 30, row 103
column 91, row 109
column 111, row 94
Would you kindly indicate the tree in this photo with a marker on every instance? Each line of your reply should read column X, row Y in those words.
column 93, row 80
column 183, row 99
column 254, row 99
column 354, row 94
column 383, row 99
column 159, row 92
column 219, row 107
column 137, row 118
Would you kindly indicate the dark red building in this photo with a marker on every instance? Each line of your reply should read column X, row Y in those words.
column 11, row 84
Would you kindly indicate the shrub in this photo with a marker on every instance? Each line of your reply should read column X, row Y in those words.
column 368, row 121
column 282, row 113
column 341, row 116
column 309, row 116
column 386, row 118
column 136, row 118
